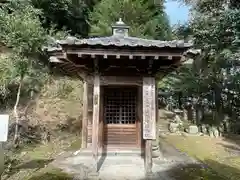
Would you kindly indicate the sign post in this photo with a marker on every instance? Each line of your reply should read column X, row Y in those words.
column 4, row 121
column 149, row 120
column 149, row 108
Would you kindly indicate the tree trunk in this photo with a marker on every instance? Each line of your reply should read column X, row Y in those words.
column 16, row 135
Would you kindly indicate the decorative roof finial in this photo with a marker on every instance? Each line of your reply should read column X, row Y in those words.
column 120, row 28
column 120, row 22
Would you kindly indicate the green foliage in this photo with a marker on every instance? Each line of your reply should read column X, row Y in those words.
column 214, row 28
column 145, row 19
column 68, row 14
column 7, row 73
column 21, row 29
column 182, row 31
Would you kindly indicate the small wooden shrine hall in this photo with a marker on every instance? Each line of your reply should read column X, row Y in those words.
column 119, row 74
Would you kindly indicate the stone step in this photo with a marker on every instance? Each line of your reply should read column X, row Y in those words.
column 163, row 130
column 163, row 127
column 88, row 152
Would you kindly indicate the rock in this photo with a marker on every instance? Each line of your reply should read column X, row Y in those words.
column 178, row 120
column 156, row 153
column 169, row 114
column 192, row 129
column 163, row 134
column 23, row 153
column 227, row 124
column 215, row 132
column 186, row 130
column 210, row 132
column 185, row 134
column 185, row 116
column 204, row 129
column 221, row 129
column 154, row 144
column 76, row 152
column 179, row 112
column 173, row 127
column 155, row 149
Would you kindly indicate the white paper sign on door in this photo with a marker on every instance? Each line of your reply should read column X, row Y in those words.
column 4, row 121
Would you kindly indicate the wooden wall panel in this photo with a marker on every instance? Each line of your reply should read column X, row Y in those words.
column 120, row 135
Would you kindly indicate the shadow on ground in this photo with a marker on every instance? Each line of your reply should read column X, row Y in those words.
column 201, row 172
column 52, row 176
column 33, row 164
column 233, row 138
column 178, row 172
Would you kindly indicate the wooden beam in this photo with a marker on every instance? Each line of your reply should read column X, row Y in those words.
column 84, row 76
column 120, row 80
column 85, row 115
column 117, row 52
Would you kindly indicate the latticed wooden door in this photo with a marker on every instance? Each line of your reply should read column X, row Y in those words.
column 120, row 116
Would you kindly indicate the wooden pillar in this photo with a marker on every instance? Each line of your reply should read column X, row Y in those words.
column 85, row 115
column 157, row 113
column 148, row 157
column 100, row 141
column 90, row 113
column 149, row 120
column 95, row 122
column 139, row 114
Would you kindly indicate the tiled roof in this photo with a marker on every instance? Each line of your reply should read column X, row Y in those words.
column 120, row 41
column 120, row 38
column 124, row 41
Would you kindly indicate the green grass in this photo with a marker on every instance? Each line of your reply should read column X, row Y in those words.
column 50, row 173
column 75, row 145
column 35, row 161
column 194, row 172
column 211, row 152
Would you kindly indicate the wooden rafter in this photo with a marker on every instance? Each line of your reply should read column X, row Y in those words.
column 117, row 53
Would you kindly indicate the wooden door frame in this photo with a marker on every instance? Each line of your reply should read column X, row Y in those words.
column 138, row 123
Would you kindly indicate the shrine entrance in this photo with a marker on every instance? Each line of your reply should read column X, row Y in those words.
column 120, row 117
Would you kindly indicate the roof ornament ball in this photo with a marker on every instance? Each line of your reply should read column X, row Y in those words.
column 120, row 28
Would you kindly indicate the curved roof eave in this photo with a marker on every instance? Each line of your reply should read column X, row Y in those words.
column 120, row 41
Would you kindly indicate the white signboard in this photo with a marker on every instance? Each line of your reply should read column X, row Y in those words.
column 4, row 119
column 149, row 108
